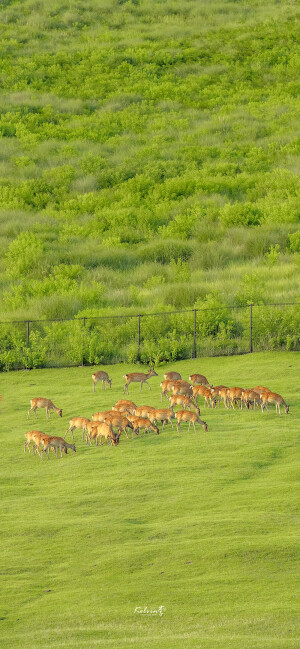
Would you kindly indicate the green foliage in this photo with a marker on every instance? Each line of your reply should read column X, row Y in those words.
column 295, row 241
column 23, row 255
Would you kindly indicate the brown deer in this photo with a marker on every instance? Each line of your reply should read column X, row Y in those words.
column 164, row 415
column 105, row 432
column 43, row 403
column 119, row 422
column 166, row 386
column 202, row 391
column 216, row 392
column 103, row 377
column 58, row 443
column 144, row 411
column 250, row 397
column 277, row 399
column 191, row 418
column 78, row 422
column 182, row 387
column 145, row 423
column 100, row 416
column 199, row 379
column 138, row 377
column 185, row 402
column 234, row 395
column 31, row 436
column 172, row 376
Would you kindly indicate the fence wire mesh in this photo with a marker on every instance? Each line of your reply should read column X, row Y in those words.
column 154, row 337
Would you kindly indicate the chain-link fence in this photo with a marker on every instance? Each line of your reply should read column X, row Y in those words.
column 151, row 337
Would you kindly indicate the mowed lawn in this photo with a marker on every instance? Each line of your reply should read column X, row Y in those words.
column 205, row 525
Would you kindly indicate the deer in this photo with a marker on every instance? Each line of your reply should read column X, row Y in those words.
column 31, row 436
column 199, row 379
column 125, row 404
column 191, row 418
column 182, row 387
column 202, row 391
column 78, row 422
column 144, row 422
column 42, row 439
column 216, row 392
column 249, row 397
column 43, row 403
column 164, row 415
column 58, row 443
column 223, row 394
column 272, row 397
column 260, row 389
column 89, row 428
column 138, row 377
column 234, row 395
column 172, row 376
column 184, row 402
column 103, row 377
column 166, row 386
column 144, row 411
column 105, row 432
column 100, row 416
column 119, row 422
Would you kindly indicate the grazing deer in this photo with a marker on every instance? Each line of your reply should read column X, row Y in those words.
column 260, row 389
column 164, row 415
column 223, row 394
column 103, row 377
column 172, row 376
column 43, row 403
column 119, row 422
column 202, row 391
column 89, row 428
column 138, row 377
column 145, row 423
column 78, row 422
column 166, row 386
column 216, row 392
column 106, row 432
column 58, row 443
column 100, row 416
column 31, row 436
column 191, row 418
column 182, row 387
column 125, row 403
column 249, row 397
column 234, row 395
column 199, row 379
column 272, row 397
column 185, row 402
column 41, row 439
column 144, row 411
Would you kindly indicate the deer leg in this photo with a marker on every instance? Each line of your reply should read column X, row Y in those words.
column 194, row 426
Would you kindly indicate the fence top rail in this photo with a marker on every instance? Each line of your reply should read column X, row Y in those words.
column 148, row 315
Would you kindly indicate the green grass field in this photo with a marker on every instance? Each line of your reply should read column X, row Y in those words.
column 204, row 525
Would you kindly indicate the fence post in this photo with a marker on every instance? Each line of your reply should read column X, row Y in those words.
column 83, row 340
column 28, row 333
column 251, row 345
column 139, row 338
column 194, row 355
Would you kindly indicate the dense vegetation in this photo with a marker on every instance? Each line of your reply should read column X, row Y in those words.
column 149, row 157
column 205, row 524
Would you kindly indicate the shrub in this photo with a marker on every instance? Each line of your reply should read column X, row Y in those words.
column 240, row 214
column 294, row 240
column 23, row 255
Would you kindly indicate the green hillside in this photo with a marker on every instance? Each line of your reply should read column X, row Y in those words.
column 149, row 155
column 205, row 525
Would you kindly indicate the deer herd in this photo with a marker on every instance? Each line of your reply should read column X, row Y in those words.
column 125, row 416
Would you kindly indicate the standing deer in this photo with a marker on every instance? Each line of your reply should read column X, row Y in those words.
column 138, row 377
column 184, row 402
column 202, row 391
column 199, row 379
column 103, row 377
column 172, row 376
column 272, row 397
column 166, row 386
column 58, row 443
column 43, row 403
column 191, row 418
column 79, row 423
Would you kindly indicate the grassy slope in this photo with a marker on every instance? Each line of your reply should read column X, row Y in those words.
column 205, row 525
column 127, row 126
